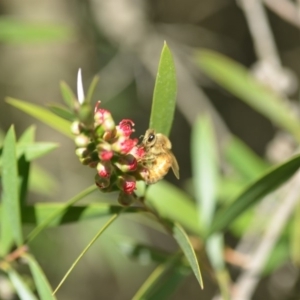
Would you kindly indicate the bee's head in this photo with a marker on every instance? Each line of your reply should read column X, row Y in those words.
column 149, row 138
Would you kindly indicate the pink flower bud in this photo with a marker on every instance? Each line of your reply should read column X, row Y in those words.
column 104, row 169
column 123, row 145
column 126, row 183
column 127, row 163
column 82, row 140
column 138, row 152
column 102, row 182
column 125, row 128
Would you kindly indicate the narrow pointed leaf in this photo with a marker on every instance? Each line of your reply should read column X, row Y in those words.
column 62, row 112
column 42, row 285
column 173, row 204
column 205, row 170
column 10, row 185
column 244, row 160
column 42, row 115
column 255, row 192
column 39, row 212
column 36, row 150
column 91, row 89
column 23, row 169
column 28, row 136
column 164, row 98
column 155, row 279
column 41, row 181
column 21, row 287
column 183, row 241
column 237, row 79
column 68, row 96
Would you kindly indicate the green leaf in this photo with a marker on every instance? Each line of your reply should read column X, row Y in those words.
column 36, row 150
column 28, row 136
column 43, row 115
column 22, row 289
column 18, row 31
column 42, row 285
column 256, row 191
column 62, row 112
column 183, row 240
column 154, row 281
column 68, row 96
column 91, row 90
column 243, row 159
column 102, row 229
column 205, row 170
column 237, row 79
column 173, row 204
column 39, row 212
column 23, row 168
column 37, row 230
column 41, row 181
column 144, row 254
column 10, row 185
column 295, row 236
column 164, row 97
column 215, row 252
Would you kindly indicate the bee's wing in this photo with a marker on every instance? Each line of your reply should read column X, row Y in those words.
column 174, row 164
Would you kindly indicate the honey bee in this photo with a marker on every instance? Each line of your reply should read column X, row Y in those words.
column 158, row 156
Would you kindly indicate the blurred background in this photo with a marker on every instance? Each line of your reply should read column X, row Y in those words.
column 44, row 42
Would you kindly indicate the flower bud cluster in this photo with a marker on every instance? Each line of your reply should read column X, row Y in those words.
column 108, row 148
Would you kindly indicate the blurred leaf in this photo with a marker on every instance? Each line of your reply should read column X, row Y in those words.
column 205, row 170
column 153, row 282
column 10, row 185
column 144, row 254
column 58, row 212
column 164, row 97
column 183, row 240
column 229, row 188
column 68, row 96
column 43, row 115
column 21, row 31
column 28, row 136
column 173, row 204
column 90, row 244
column 21, row 287
column 62, row 112
column 42, row 285
column 244, row 160
column 238, row 80
column 215, row 252
column 41, row 181
column 91, row 89
column 295, row 236
column 39, row 212
column 256, row 191
column 23, row 170
column 172, row 281
column 278, row 256
column 36, row 150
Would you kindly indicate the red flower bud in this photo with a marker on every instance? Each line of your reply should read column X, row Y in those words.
column 125, row 128
column 127, row 183
column 125, row 199
column 138, row 152
column 104, row 169
column 127, row 163
column 102, row 182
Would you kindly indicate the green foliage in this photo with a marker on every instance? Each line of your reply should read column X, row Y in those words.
column 165, row 91
column 214, row 204
column 15, row 31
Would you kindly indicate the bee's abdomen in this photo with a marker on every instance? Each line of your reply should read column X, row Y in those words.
column 157, row 170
